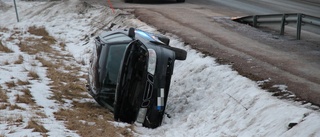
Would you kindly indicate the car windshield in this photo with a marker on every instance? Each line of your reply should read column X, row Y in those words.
column 114, row 57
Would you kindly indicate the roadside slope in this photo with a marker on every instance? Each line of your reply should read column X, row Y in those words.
column 253, row 53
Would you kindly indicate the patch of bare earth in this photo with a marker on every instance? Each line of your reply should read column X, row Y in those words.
column 87, row 118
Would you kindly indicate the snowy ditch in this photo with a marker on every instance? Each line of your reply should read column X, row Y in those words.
column 206, row 98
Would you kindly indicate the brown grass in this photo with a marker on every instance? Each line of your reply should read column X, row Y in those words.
column 33, row 124
column 26, row 98
column 3, row 29
column 45, row 63
column 33, row 74
column 4, row 106
column 41, row 31
column 15, row 106
column 70, row 90
column 20, row 60
column 49, row 39
column 34, row 46
column 4, row 48
column 90, row 112
column 11, row 84
column 20, row 82
column 13, row 119
column 62, row 45
column 3, row 95
column 41, row 114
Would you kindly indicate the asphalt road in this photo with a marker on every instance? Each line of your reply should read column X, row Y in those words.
column 250, row 7
column 256, row 54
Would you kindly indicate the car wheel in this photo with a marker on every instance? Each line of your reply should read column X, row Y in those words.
column 128, row 1
column 180, row 1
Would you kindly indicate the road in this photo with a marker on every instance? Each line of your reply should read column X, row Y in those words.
column 249, row 7
column 259, row 55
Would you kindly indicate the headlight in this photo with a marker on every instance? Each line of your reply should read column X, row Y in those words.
column 152, row 61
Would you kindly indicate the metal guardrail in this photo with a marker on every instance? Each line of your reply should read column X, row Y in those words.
column 282, row 19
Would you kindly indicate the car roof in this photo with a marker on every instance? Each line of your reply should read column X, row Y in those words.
column 114, row 37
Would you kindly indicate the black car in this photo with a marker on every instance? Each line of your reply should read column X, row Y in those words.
column 130, row 73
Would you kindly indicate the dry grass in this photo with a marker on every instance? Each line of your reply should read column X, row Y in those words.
column 3, row 29
column 34, row 46
column 90, row 112
column 15, row 106
column 33, row 124
column 11, row 84
column 70, row 90
column 4, row 48
column 41, row 31
column 20, row 60
column 33, row 74
column 4, row 106
column 62, row 45
column 45, row 63
column 41, row 114
column 13, row 119
column 26, row 98
column 62, row 90
column 3, row 95
column 20, row 82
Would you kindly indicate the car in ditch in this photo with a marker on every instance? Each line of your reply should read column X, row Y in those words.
column 130, row 73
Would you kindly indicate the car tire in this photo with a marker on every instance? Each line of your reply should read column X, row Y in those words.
column 180, row 1
column 180, row 53
column 128, row 1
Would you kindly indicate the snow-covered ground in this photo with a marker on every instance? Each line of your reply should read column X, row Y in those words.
column 206, row 98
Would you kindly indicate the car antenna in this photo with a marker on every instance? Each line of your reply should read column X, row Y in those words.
column 131, row 33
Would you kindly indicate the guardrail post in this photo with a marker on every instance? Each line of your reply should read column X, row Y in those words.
column 255, row 21
column 15, row 7
column 283, row 23
column 299, row 19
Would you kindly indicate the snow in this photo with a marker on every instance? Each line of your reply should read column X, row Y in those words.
column 206, row 98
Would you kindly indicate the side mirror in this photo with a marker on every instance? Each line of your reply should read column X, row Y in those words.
column 131, row 33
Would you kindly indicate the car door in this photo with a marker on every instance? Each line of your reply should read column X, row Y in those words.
column 131, row 82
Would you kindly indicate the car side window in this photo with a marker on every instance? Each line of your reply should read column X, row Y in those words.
column 114, row 59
